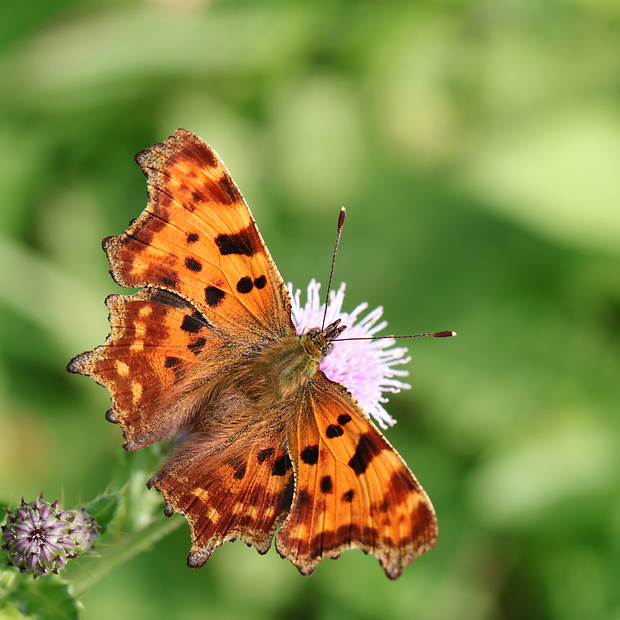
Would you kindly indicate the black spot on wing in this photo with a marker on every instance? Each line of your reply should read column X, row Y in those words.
column 326, row 484
column 214, row 296
column 348, row 496
column 245, row 242
column 260, row 282
column 192, row 237
column 281, row 465
column 310, row 455
column 171, row 362
column 194, row 323
column 344, row 418
column 333, row 430
column 192, row 264
column 366, row 450
column 245, row 285
column 240, row 472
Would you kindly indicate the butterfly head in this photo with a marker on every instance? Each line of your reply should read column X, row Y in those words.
column 317, row 342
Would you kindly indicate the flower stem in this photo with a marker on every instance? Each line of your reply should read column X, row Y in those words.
column 121, row 550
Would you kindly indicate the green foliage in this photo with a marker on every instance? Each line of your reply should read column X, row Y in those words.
column 475, row 146
column 45, row 599
column 129, row 526
column 103, row 509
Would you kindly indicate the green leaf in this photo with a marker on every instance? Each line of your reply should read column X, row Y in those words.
column 103, row 509
column 47, row 598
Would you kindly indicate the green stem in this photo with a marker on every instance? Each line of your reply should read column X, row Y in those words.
column 94, row 568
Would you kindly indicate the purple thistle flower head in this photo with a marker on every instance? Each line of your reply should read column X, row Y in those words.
column 364, row 367
column 40, row 537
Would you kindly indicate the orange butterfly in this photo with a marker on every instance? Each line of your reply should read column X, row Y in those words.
column 208, row 347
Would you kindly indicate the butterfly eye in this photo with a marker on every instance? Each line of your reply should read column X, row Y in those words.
column 327, row 349
column 311, row 332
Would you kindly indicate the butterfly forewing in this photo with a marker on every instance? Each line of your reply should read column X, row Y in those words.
column 352, row 488
column 197, row 237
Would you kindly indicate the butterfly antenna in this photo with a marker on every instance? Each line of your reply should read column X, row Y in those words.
column 444, row 334
column 341, row 217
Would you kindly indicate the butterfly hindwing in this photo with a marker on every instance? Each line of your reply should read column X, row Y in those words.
column 240, row 491
column 352, row 489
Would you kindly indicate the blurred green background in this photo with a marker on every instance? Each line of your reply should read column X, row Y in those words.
column 476, row 146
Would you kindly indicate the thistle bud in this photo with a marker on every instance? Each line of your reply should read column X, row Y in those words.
column 40, row 537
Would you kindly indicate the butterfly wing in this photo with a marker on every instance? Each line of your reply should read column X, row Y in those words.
column 353, row 490
column 197, row 238
column 239, row 490
column 212, row 294
column 158, row 362
column 212, row 297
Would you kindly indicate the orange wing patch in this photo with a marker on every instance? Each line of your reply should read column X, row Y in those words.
column 353, row 490
column 241, row 492
column 197, row 237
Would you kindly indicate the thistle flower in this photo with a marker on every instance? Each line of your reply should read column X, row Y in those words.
column 364, row 367
column 40, row 537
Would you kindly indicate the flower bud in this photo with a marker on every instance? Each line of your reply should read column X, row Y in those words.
column 40, row 537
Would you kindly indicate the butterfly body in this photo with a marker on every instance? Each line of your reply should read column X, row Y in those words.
column 207, row 350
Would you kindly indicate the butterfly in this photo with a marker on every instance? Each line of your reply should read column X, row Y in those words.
column 206, row 351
